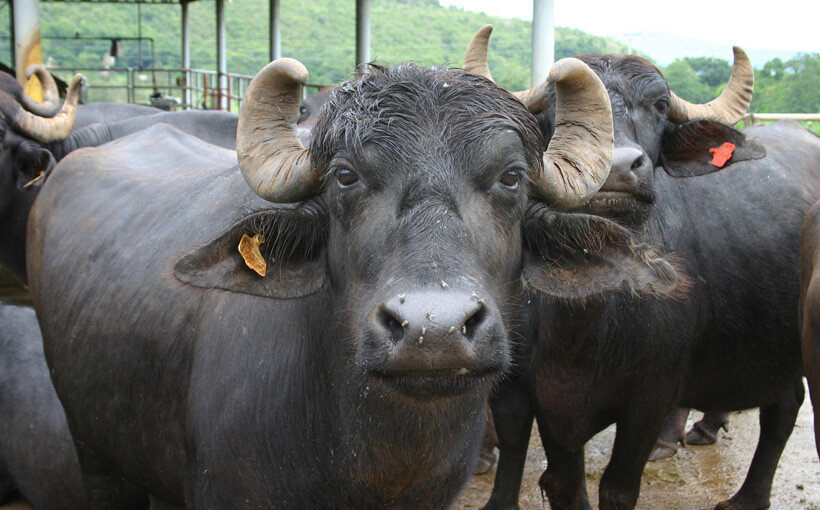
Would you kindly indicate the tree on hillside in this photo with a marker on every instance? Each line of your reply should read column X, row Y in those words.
column 710, row 70
column 685, row 82
column 788, row 87
column 321, row 33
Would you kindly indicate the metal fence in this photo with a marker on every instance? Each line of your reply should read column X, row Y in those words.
column 751, row 119
column 167, row 88
column 178, row 88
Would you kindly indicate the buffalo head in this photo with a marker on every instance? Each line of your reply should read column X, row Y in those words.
column 25, row 126
column 654, row 128
column 409, row 207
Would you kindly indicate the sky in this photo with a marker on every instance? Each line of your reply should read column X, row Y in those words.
column 790, row 25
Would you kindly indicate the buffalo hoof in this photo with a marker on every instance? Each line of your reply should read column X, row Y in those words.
column 737, row 503
column 663, row 450
column 486, row 461
column 703, row 433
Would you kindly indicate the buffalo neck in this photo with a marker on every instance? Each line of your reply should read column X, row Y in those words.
column 89, row 136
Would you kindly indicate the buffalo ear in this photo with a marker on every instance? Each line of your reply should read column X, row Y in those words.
column 32, row 161
column 579, row 256
column 686, row 148
column 293, row 252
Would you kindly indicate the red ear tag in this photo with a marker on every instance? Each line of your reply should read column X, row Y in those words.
column 721, row 155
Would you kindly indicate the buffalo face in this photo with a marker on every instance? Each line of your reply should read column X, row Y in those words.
column 420, row 178
column 657, row 131
column 424, row 222
column 640, row 102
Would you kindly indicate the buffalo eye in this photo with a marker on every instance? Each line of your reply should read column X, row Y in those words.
column 345, row 177
column 302, row 113
column 510, row 178
column 662, row 105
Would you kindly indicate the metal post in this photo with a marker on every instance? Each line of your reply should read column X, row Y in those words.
column 362, row 32
column 130, row 87
column 11, row 25
column 139, row 33
column 186, row 54
column 27, row 49
column 275, row 32
column 222, row 63
column 543, row 39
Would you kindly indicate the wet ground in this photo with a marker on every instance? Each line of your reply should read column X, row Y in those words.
column 697, row 478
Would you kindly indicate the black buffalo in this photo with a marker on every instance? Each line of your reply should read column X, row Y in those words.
column 730, row 342
column 35, row 136
column 27, row 153
column 810, row 309
column 355, row 372
column 105, row 113
column 37, row 457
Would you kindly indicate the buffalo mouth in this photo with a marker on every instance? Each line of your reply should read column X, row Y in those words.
column 620, row 206
column 425, row 384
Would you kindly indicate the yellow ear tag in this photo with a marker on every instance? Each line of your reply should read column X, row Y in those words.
column 249, row 249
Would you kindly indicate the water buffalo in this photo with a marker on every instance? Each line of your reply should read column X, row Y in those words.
column 26, row 155
column 810, row 309
column 323, row 333
column 730, row 342
column 104, row 112
column 37, row 456
column 37, row 135
column 25, row 128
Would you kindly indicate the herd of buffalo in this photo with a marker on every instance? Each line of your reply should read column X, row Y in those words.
column 313, row 305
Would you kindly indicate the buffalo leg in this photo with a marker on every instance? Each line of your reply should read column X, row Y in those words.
column 672, row 433
column 7, row 487
column 705, row 431
column 776, row 424
column 811, row 344
column 105, row 487
column 512, row 414
column 634, row 440
column 564, row 481
column 487, row 456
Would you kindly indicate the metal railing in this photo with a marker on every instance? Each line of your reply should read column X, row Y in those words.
column 751, row 119
column 167, row 88
column 179, row 88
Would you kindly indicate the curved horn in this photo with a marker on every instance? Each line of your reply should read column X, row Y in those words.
column 48, row 130
column 272, row 159
column 475, row 61
column 475, row 56
column 730, row 106
column 579, row 155
column 51, row 98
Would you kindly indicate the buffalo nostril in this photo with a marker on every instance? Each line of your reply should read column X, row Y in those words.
column 626, row 158
column 473, row 322
column 391, row 323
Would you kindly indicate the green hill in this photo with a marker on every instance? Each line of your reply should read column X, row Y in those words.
column 320, row 33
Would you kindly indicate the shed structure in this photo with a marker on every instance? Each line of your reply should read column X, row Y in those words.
column 27, row 50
